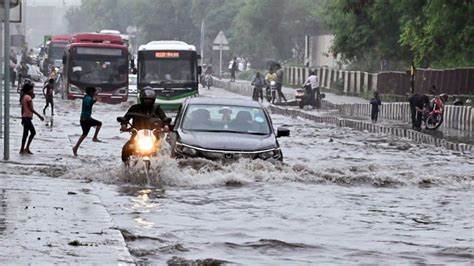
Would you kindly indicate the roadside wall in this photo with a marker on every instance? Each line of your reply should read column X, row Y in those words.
column 418, row 137
column 450, row 81
column 456, row 117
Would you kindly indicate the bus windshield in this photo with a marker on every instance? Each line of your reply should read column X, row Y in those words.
column 99, row 66
column 56, row 51
column 157, row 71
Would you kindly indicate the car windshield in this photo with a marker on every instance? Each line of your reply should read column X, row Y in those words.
column 99, row 66
column 157, row 71
column 222, row 118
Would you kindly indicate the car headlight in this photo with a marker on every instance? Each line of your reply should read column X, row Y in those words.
column 275, row 154
column 74, row 89
column 185, row 150
column 189, row 151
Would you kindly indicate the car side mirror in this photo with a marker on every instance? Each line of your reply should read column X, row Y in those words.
column 121, row 120
column 199, row 70
column 283, row 132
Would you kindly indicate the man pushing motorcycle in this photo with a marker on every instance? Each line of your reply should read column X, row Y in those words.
column 148, row 120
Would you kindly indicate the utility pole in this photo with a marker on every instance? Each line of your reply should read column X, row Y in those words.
column 6, row 83
column 1, row 90
column 203, row 29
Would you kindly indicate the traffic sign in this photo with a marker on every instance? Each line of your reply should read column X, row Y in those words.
column 218, row 47
column 221, row 39
column 15, row 11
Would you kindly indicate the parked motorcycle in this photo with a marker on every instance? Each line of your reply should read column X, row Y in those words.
column 433, row 119
column 306, row 96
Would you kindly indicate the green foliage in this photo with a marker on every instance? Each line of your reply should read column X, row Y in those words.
column 434, row 33
column 441, row 34
column 257, row 29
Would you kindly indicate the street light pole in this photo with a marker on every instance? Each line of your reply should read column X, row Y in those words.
column 6, row 83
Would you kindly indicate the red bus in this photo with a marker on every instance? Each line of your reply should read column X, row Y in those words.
column 97, row 60
column 55, row 51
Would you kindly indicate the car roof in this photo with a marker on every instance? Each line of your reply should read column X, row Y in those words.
column 223, row 101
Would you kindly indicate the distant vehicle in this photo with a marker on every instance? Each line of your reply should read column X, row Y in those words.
column 125, row 38
column 55, row 51
column 132, row 85
column 225, row 129
column 171, row 69
column 98, row 60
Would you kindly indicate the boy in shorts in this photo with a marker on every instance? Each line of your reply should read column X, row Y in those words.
column 86, row 118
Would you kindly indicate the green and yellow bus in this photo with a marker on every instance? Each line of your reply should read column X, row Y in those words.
column 171, row 69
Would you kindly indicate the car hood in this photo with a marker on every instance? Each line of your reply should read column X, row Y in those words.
column 228, row 141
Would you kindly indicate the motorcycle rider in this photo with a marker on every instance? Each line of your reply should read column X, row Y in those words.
column 141, row 115
column 312, row 89
column 271, row 76
column 258, row 84
column 208, row 76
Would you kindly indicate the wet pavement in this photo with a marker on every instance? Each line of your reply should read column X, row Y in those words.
column 341, row 197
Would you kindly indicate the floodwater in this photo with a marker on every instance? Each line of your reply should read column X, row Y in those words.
column 340, row 197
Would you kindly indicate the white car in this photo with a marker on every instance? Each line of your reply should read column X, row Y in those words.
column 132, row 85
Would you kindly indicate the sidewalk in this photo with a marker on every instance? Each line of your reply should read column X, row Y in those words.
column 55, row 221
column 48, row 220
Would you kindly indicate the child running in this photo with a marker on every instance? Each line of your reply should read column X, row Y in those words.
column 86, row 118
column 48, row 95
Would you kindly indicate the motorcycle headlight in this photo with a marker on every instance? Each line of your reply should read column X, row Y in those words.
column 145, row 144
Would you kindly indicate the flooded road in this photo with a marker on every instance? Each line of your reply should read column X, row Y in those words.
column 341, row 196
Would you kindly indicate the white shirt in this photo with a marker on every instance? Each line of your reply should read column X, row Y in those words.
column 313, row 80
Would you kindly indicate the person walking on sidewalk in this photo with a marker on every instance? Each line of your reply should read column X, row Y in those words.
column 279, row 83
column 86, row 118
column 233, row 69
column 27, row 112
column 375, row 103
column 48, row 90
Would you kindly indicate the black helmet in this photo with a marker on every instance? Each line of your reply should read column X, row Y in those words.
column 28, row 81
column 147, row 93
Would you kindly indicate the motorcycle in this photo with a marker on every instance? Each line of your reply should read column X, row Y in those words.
column 143, row 144
column 208, row 81
column 433, row 119
column 306, row 96
column 270, row 92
